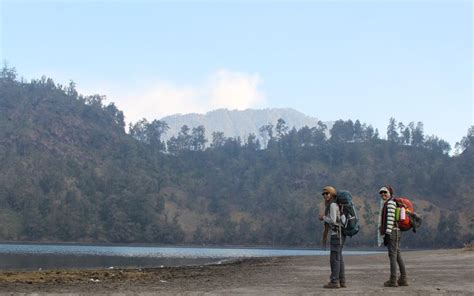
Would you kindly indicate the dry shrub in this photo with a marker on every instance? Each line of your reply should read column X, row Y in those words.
column 468, row 246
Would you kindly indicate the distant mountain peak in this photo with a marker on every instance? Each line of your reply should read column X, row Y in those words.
column 237, row 123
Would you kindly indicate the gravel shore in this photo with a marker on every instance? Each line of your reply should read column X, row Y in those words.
column 435, row 272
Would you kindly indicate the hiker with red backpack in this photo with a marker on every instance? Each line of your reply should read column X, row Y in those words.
column 390, row 232
column 332, row 222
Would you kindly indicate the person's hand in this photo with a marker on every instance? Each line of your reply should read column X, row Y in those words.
column 321, row 217
column 386, row 239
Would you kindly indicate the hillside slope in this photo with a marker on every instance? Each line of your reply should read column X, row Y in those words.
column 69, row 172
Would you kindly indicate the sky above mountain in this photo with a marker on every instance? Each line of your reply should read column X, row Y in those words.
column 368, row 60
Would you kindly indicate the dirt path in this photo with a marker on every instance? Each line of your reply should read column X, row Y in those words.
column 439, row 272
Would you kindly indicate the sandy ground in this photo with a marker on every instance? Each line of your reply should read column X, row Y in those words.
column 438, row 272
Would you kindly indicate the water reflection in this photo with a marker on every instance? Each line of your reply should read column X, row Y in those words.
column 57, row 261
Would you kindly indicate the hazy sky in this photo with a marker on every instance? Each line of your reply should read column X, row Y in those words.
column 369, row 60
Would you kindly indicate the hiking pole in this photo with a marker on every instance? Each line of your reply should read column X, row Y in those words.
column 325, row 236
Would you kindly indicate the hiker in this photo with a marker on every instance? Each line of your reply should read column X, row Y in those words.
column 331, row 220
column 390, row 233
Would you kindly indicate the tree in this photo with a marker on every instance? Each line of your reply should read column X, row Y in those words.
column 199, row 236
column 401, row 129
column 173, row 145
column 358, row 131
column 182, row 142
column 266, row 131
column 95, row 100
column 438, row 145
column 7, row 74
column 448, row 229
column 417, row 136
column 392, row 135
column 305, row 136
column 155, row 130
column 198, row 139
column 149, row 133
column 369, row 133
column 467, row 141
column 376, row 134
column 252, row 142
column 342, row 131
column 406, row 136
column 281, row 128
column 115, row 114
column 139, row 130
column 218, row 140
column 71, row 89
column 319, row 133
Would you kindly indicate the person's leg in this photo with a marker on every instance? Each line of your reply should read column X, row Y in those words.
column 342, row 273
column 392, row 255
column 402, row 281
column 334, row 260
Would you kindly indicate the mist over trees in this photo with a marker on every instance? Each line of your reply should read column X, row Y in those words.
column 71, row 172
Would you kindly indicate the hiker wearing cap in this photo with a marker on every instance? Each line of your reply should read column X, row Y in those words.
column 390, row 233
column 331, row 220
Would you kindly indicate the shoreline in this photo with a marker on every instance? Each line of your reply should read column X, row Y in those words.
column 50, row 257
column 152, row 245
column 440, row 272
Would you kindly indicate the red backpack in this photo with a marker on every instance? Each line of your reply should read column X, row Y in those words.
column 405, row 215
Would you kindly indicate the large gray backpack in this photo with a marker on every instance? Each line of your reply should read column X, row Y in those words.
column 351, row 225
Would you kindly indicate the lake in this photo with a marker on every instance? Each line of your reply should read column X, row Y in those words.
column 53, row 256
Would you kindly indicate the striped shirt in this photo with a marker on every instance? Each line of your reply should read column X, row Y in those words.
column 391, row 206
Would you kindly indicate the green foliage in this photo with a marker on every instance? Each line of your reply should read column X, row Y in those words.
column 467, row 141
column 69, row 172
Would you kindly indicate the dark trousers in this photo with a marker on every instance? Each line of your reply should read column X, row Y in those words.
column 336, row 260
column 395, row 256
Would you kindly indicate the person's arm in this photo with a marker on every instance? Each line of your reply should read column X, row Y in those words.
column 333, row 211
column 391, row 206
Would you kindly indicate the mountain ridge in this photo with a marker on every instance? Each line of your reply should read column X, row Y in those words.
column 238, row 123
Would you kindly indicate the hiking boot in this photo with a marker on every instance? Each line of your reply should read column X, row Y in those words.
column 331, row 286
column 402, row 281
column 342, row 284
column 391, row 283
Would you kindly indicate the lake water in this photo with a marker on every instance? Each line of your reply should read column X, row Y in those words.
column 48, row 256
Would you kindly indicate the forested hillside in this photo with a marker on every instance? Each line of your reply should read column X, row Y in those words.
column 69, row 171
